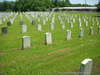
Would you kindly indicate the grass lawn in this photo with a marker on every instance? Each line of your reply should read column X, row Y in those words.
column 57, row 59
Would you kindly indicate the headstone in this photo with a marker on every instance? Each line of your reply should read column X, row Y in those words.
column 86, row 23
column 24, row 28
column 91, row 31
column 62, row 25
column 4, row 30
column 81, row 32
column 52, row 26
column 86, row 67
column 71, row 25
column 26, row 42
column 39, row 27
column 68, row 35
column 48, row 38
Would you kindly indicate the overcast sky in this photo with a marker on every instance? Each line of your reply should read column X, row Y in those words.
column 91, row 2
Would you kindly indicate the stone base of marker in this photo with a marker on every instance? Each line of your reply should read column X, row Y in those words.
column 68, row 35
column 4, row 30
column 26, row 42
column 48, row 38
column 86, row 67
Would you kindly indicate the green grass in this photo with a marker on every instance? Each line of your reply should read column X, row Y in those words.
column 62, row 56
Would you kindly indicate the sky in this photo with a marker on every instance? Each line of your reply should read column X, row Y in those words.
column 90, row 2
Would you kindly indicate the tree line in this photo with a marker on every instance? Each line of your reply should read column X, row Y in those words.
column 34, row 5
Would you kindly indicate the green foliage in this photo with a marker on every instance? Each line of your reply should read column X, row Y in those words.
column 98, row 6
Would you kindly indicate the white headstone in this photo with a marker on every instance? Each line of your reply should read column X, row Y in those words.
column 62, row 25
column 24, row 28
column 39, row 27
column 48, row 38
column 86, row 67
column 68, row 35
column 26, row 42
column 52, row 26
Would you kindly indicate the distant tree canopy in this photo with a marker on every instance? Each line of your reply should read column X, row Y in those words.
column 33, row 5
column 98, row 6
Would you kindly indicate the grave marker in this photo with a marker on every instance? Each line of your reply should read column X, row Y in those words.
column 91, row 30
column 26, row 42
column 48, row 38
column 86, row 67
column 24, row 28
column 68, row 35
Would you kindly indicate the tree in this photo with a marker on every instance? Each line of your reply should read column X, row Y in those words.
column 98, row 6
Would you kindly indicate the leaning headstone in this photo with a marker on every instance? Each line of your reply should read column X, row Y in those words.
column 91, row 31
column 48, row 38
column 4, row 30
column 99, row 29
column 86, row 67
column 24, row 28
column 68, row 35
column 26, row 42
column 81, row 32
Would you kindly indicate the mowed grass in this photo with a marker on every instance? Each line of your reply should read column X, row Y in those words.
column 57, row 59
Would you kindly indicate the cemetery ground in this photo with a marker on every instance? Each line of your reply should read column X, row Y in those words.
column 62, row 57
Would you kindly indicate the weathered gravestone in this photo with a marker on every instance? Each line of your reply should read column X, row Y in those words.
column 4, row 30
column 26, row 42
column 91, row 31
column 86, row 67
column 81, row 32
column 68, row 35
column 48, row 38
column 24, row 28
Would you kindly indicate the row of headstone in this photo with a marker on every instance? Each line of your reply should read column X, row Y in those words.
column 72, row 19
column 48, row 35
